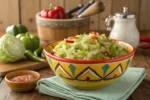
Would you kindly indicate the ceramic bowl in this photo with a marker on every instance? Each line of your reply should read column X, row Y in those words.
column 89, row 74
column 22, row 87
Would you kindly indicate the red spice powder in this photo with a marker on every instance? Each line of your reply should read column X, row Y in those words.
column 23, row 78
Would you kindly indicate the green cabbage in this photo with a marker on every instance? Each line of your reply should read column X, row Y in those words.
column 11, row 48
column 86, row 47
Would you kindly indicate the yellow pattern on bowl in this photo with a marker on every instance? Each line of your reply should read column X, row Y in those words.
column 88, row 74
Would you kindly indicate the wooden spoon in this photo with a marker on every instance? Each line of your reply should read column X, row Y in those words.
column 95, row 8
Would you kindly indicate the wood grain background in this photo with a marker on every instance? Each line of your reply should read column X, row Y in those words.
column 23, row 11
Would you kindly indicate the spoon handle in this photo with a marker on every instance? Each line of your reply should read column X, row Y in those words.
column 95, row 8
column 85, row 7
column 74, row 10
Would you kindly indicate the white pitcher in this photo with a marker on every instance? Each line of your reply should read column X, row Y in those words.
column 124, row 27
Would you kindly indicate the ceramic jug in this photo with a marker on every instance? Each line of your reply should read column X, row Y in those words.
column 124, row 27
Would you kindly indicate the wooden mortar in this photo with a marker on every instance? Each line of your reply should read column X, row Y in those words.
column 58, row 29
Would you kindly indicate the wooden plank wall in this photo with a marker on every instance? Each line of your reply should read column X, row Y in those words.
column 23, row 11
column 8, row 14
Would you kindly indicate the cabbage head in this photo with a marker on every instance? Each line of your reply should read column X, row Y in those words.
column 11, row 49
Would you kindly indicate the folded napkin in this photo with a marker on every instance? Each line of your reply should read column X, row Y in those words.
column 119, row 90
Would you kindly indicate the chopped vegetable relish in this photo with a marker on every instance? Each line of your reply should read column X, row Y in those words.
column 92, row 46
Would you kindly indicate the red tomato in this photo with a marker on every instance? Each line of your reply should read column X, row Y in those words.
column 52, row 52
column 61, row 12
column 53, row 14
column 107, row 53
column 94, row 37
column 93, row 32
column 56, row 13
column 59, row 7
column 70, row 41
column 44, row 13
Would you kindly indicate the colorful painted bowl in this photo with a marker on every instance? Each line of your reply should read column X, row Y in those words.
column 89, row 74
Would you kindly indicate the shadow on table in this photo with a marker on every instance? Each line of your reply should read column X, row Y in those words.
column 142, row 92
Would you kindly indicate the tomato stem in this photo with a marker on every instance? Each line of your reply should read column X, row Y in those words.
column 51, row 7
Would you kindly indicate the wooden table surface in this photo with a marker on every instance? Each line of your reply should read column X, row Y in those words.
column 141, row 59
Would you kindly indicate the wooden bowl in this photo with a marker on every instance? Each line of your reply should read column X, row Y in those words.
column 58, row 29
column 22, row 87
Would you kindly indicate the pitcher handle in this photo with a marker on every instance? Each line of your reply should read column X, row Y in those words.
column 108, row 22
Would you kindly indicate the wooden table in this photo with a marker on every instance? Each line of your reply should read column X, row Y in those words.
column 141, row 59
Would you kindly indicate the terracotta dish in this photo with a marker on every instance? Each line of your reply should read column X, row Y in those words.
column 22, row 85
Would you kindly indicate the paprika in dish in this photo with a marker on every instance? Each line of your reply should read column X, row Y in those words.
column 23, row 78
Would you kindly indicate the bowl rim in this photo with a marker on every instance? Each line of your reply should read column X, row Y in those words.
column 90, row 61
column 8, row 80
